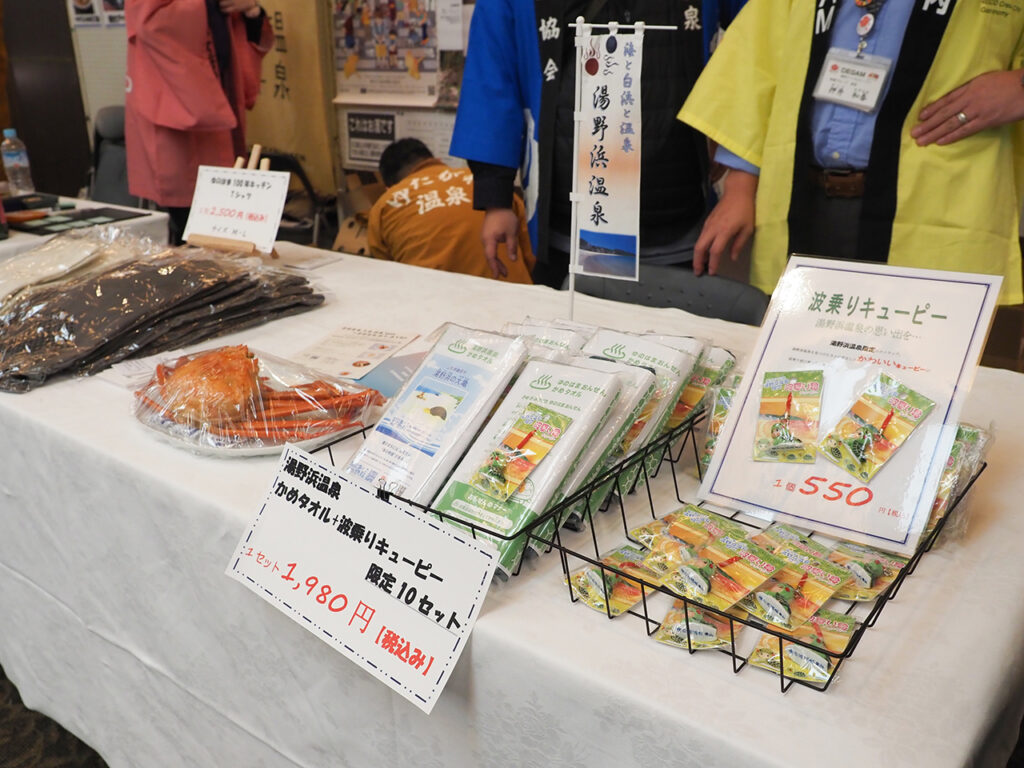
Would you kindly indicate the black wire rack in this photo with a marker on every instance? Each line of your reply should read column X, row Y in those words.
column 632, row 479
column 648, row 589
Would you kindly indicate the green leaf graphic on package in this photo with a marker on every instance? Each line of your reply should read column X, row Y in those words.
column 881, row 420
column 528, row 441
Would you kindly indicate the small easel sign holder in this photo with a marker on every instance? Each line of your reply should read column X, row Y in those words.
column 606, row 138
column 238, row 209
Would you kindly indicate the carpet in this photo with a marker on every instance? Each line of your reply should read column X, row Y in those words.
column 31, row 740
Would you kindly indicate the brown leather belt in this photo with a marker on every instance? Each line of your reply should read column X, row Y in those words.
column 838, row 183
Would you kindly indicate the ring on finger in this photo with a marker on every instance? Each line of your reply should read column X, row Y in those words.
column 962, row 119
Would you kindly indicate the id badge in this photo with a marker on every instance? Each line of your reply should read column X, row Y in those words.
column 851, row 80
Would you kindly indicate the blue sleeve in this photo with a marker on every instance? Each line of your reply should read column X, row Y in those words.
column 489, row 123
column 731, row 160
column 718, row 14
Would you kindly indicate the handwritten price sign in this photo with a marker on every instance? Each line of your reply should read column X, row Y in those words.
column 239, row 204
column 390, row 589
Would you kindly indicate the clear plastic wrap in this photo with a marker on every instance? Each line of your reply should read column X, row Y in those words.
column 545, row 335
column 438, row 412
column 693, row 628
column 825, row 631
column 964, row 461
column 607, row 591
column 232, row 401
column 580, row 398
column 873, row 570
column 138, row 307
column 70, row 255
column 720, row 399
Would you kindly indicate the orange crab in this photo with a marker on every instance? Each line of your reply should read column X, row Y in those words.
column 221, row 391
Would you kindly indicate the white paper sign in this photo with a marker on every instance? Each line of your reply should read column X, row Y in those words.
column 606, row 224
column 238, row 204
column 853, row 322
column 389, row 588
column 353, row 352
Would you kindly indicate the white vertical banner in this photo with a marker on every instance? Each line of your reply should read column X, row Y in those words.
column 606, row 219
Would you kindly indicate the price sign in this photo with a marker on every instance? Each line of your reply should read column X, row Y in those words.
column 238, row 204
column 891, row 353
column 389, row 588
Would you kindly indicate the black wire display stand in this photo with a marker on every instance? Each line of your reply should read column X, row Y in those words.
column 632, row 478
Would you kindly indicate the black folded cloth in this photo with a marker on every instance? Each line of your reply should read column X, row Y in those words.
column 84, row 325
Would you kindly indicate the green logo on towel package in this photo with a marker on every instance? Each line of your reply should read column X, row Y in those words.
column 615, row 352
column 541, row 382
column 457, row 347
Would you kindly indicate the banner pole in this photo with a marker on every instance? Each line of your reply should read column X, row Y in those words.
column 582, row 31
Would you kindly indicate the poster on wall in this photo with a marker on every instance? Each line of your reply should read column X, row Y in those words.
column 606, row 232
column 386, row 51
column 848, row 409
column 113, row 13
column 85, row 13
column 366, row 132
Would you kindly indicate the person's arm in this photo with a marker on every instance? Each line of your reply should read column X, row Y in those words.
column 730, row 225
column 988, row 101
column 493, row 192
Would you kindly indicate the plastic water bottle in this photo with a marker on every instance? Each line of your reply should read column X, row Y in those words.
column 15, row 155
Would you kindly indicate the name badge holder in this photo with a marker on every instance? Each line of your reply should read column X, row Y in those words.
column 852, row 80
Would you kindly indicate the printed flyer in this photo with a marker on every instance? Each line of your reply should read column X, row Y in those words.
column 891, row 354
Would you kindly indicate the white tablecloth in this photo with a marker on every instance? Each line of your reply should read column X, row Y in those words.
column 153, row 224
column 118, row 620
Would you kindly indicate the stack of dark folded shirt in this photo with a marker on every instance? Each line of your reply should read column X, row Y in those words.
column 137, row 308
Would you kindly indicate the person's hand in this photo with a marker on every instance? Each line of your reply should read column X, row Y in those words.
column 988, row 101
column 250, row 8
column 501, row 225
column 730, row 224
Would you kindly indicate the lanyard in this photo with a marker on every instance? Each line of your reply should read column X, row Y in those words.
column 867, row 22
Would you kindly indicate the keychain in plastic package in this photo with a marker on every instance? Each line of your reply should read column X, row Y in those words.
column 798, row 590
column 872, row 569
column 727, row 570
column 787, row 423
column 582, row 398
column 666, row 553
column 530, row 439
column 947, row 481
column 707, row 629
column 826, row 632
column 780, row 534
column 233, row 401
column 721, row 399
column 710, row 370
column 607, row 591
column 438, row 412
column 692, row 524
column 877, row 424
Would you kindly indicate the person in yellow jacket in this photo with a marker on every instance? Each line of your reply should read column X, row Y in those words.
column 867, row 129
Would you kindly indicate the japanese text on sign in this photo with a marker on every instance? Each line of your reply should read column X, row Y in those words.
column 390, row 589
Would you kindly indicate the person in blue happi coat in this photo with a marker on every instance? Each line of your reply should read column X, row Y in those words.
column 516, row 114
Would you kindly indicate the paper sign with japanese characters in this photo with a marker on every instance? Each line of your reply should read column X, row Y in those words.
column 849, row 406
column 238, row 204
column 389, row 588
column 607, row 220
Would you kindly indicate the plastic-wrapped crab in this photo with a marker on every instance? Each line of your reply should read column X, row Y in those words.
column 229, row 397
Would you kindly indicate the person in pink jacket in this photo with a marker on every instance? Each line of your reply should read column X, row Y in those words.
column 193, row 69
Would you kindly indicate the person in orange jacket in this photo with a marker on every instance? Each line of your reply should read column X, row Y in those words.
column 193, row 69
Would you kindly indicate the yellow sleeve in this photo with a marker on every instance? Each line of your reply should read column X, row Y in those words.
column 731, row 103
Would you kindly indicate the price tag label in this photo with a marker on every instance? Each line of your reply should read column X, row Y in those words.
column 389, row 588
column 238, row 204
